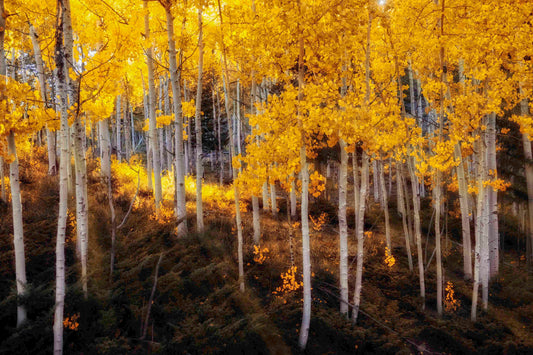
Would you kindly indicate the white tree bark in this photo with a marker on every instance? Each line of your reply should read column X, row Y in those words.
column 528, row 164
column 266, row 203
column 403, row 211
column 154, row 142
column 294, row 203
column 175, row 75
column 105, row 148
column 343, row 229
column 232, row 153
column 198, row 128
column 118, row 125
column 63, row 181
column 492, row 195
column 2, row 182
column 18, row 232
column 360, row 233
column 417, row 229
column 273, row 198
column 385, row 204
column 465, row 214
column 438, row 257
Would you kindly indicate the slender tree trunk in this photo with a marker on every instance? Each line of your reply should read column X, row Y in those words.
column 175, row 75
column 50, row 135
column 118, row 126
column 403, row 211
column 360, row 233
column 219, row 139
column 2, row 181
column 18, row 232
column 343, row 229
column 418, row 233
column 105, row 148
column 465, row 214
column 63, row 181
column 292, row 196
column 356, row 186
column 492, row 195
column 232, row 153
column 198, row 129
column 385, row 204
column 438, row 258
column 266, row 204
column 273, row 198
column 528, row 164
column 154, row 143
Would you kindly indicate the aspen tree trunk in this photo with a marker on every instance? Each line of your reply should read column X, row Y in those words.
column 82, row 215
column 465, row 214
column 63, row 177
column 175, row 75
column 385, row 204
column 306, row 248
column 219, row 139
column 18, row 232
column 50, row 136
column 273, row 198
column 484, row 269
column 293, row 199
column 492, row 195
column 356, row 186
column 266, row 203
column 255, row 199
column 105, row 148
column 375, row 177
column 154, row 143
column 528, row 164
column 127, row 129
column 232, row 153
column 14, row 182
column 403, row 211
column 118, row 127
column 343, row 229
column 2, row 182
column 480, row 205
column 418, row 234
column 198, row 128
column 438, row 257
column 360, row 226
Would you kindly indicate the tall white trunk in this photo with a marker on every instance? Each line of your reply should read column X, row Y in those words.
column 360, row 233
column 266, row 203
column 492, row 195
column 256, row 220
column 18, row 232
column 343, row 229
column 2, row 182
column 484, row 267
column 465, row 214
column 385, row 204
column 273, row 198
column 82, row 215
column 438, row 258
column 50, row 136
column 528, row 155
column 418, row 234
column 154, row 142
column 232, row 153
column 118, row 126
column 294, row 203
column 198, row 129
column 175, row 75
column 63, row 181
column 402, row 208
column 306, row 252
column 105, row 148
column 356, row 186
column 375, row 177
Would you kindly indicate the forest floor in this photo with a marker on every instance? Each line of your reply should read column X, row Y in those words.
column 197, row 306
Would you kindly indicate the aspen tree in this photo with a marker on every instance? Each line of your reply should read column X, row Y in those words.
column 154, row 142
column 198, row 127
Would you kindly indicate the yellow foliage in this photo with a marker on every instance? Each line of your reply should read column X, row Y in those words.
column 260, row 254
column 389, row 259
column 319, row 222
column 72, row 322
column 290, row 283
column 317, row 183
column 451, row 304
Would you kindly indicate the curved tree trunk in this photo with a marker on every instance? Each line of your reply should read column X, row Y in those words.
column 343, row 229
